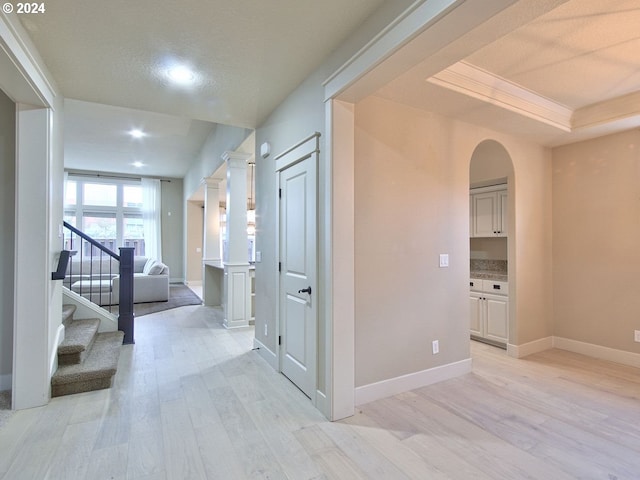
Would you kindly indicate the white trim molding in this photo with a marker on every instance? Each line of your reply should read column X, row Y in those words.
column 270, row 357
column 476, row 83
column 540, row 345
column 411, row 381
column 597, row 351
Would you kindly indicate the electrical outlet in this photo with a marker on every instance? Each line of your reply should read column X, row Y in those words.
column 435, row 347
column 265, row 329
column 636, row 336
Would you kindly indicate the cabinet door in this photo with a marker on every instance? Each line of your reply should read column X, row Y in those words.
column 502, row 203
column 485, row 209
column 497, row 318
column 476, row 319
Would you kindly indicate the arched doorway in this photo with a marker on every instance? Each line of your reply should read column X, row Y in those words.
column 491, row 244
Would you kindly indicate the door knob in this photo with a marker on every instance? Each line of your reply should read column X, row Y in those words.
column 305, row 290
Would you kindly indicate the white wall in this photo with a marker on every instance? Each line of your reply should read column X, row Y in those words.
column 412, row 203
column 596, row 238
column 172, row 227
column 223, row 138
column 301, row 114
column 7, row 224
column 195, row 238
column 38, row 212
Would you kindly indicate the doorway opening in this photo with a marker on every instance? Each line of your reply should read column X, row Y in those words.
column 491, row 240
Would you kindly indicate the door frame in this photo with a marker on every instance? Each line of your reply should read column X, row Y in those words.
column 299, row 152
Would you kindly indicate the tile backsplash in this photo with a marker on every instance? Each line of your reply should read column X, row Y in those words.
column 481, row 265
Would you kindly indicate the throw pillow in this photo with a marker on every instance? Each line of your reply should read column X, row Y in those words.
column 157, row 268
column 147, row 266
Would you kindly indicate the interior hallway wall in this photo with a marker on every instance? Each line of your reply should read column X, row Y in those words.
column 7, row 245
column 172, row 225
column 195, row 237
column 301, row 114
column 596, row 234
column 412, row 204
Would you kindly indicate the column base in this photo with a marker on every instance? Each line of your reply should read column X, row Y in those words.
column 237, row 295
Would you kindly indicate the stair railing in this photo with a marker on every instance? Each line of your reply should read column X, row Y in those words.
column 91, row 276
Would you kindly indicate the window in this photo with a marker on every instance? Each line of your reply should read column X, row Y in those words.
column 109, row 211
column 100, row 194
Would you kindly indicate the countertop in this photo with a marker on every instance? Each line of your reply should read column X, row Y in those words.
column 489, row 275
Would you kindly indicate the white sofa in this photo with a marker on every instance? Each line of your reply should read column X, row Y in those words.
column 99, row 281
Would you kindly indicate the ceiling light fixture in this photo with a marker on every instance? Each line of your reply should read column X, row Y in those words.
column 181, row 75
column 138, row 164
column 137, row 133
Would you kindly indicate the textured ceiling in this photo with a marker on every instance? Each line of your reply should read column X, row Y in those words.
column 583, row 52
column 582, row 58
column 249, row 54
column 96, row 138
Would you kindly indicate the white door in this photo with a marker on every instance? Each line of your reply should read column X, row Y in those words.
column 298, row 292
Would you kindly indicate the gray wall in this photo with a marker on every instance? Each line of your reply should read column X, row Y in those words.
column 7, row 219
column 596, row 233
column 223, row 138
column 172, row 226
column 298, row 116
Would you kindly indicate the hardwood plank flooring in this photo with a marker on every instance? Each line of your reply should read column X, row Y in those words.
column 191, row 400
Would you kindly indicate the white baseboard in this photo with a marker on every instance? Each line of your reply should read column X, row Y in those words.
column 322, row 403
column 404, row 383
column 6, row 382
column 194, row 283
column 264, row 352
column 597, row 351
column 177, row 280
column 540, row 345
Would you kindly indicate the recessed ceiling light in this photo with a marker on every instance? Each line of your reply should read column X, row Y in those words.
column 138, row 164
column 181, row 75
column 137, row 133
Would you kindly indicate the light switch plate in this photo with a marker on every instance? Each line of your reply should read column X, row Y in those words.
column 636, row 336
column 444, row 260
column 258, row 257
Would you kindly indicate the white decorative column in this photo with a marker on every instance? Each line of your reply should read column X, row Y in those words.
column 212, row 278
column 237, row 283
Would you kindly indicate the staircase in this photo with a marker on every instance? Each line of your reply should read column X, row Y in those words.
column 87, row 360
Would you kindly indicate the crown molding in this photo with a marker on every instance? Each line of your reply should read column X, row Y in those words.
column 474, row 82
column 618, row 113
column 609, row 111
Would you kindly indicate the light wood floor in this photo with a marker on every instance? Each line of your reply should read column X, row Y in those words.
column 192, row 401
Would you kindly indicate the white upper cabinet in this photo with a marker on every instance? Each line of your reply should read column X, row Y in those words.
column 488, row 209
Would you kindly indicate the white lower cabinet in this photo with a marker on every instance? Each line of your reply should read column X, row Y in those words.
column 489, row 311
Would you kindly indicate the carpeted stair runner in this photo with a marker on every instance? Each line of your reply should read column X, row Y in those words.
column 87, row 360
column 79, row 336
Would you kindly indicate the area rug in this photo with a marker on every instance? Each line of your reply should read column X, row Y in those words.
column 179, row 296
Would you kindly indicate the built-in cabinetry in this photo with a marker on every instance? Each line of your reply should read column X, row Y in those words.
column 489, row 301
column 488, row 209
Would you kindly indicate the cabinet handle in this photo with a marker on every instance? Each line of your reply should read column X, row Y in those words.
column 496, row 287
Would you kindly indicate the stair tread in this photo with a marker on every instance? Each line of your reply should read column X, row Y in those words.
column 78, row 335
column 101, row 362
